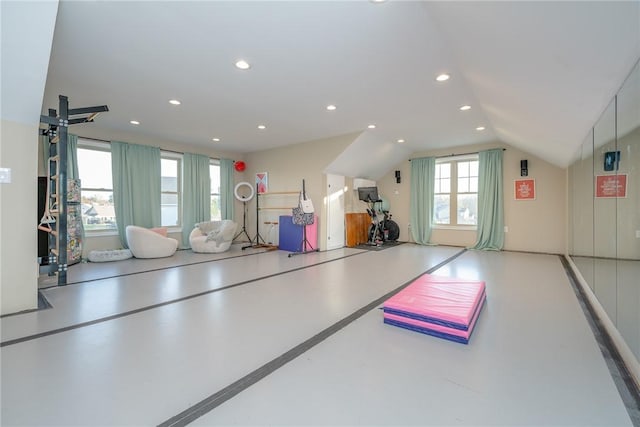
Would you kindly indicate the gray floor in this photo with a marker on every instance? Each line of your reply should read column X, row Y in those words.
column 143, row 348
column 86, row 271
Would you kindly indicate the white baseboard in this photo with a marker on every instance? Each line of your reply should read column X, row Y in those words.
column 630, row 360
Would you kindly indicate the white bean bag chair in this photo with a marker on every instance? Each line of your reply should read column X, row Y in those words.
column 212, row 236
column 146, row 243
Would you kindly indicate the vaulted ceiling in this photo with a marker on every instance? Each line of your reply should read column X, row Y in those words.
column 536, row 75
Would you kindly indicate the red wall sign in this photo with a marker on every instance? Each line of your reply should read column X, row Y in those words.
column 525, row 189
column 611, row 185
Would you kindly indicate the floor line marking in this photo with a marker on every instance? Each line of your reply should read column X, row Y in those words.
column 154, row 269
column 213, row 401
column 161, row 304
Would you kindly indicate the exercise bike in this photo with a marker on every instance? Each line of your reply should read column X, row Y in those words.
column 382, row 228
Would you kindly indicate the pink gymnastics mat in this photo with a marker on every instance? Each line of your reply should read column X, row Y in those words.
column 439, row 306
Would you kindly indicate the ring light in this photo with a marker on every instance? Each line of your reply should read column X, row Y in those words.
column 241, row 197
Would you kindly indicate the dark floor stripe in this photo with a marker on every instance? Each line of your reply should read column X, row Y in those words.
column 173, row 301
column 625, row 383
column 155, row 269
column 218, row 398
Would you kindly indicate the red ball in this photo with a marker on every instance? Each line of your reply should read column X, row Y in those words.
column 240, row 166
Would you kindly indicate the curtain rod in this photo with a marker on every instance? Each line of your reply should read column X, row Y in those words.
column 161, row 149
column 454, row 155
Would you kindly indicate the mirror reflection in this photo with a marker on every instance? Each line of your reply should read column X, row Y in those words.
column 604, row 210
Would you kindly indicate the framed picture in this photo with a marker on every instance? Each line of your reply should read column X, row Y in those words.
column 262, row 182
column 525, row 189
column 611, row 186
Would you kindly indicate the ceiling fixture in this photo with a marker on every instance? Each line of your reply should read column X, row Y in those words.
column 261, row 127
column 215, row 139
column 480, row 128
column 134, row 122
column 372, row 126
column 174, row 102
column 331, row 107
column 242, row 64
column 401, row 141
column 443, row 77
column 377, row 1
column 465, row 107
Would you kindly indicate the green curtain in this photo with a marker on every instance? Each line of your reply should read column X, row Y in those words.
column 196, row 193
column 44, row 143
column 226, row 189
column 136, row 186
column 490, row 201
column 72, row 157
column 423, row 172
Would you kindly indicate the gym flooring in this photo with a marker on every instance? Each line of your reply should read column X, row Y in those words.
column 260, row 338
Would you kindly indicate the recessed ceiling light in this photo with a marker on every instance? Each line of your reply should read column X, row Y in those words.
column 331, row 107
column 443, row 77
column 372, row 126
column 377, row 1
column 480, row 128
column 400, row 141
column 215, row 139
column 242, row 64
column 134, row 122
column 261, row 127
column 174, row 102
column 465, row 108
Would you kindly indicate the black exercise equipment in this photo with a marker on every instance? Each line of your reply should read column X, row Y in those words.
column 382, row 229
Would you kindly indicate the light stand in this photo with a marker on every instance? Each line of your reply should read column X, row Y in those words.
column 244, row 223
column 258, row 238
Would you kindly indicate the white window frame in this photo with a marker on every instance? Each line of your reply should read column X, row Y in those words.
column 453, row 194
column 91, row 144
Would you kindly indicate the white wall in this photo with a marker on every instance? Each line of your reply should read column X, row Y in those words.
column 287, row 167
column 534, row 226
column 27, row 32
column 19, row 206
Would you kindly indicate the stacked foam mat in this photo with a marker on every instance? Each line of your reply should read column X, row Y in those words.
column 440, row 306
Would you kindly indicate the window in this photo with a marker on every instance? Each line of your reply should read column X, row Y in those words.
column 94, row 167
column 214, row 173
column 98, row 213
column 456, row 191
column 170, row 196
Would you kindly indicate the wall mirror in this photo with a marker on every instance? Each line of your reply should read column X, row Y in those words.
column 604, row 210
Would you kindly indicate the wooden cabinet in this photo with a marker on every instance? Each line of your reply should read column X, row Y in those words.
column 357, row 228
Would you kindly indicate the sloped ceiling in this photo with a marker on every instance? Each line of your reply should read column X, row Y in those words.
column 26, row 33
column 368, row 157
column 536, row 74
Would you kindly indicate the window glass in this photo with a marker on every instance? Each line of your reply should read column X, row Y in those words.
column 442, row 200
column 456, row 192
column 442, row 209
column 170, row 197
column 467, row 209
column 94, row 168
column 443, row 181
column 214, row 173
